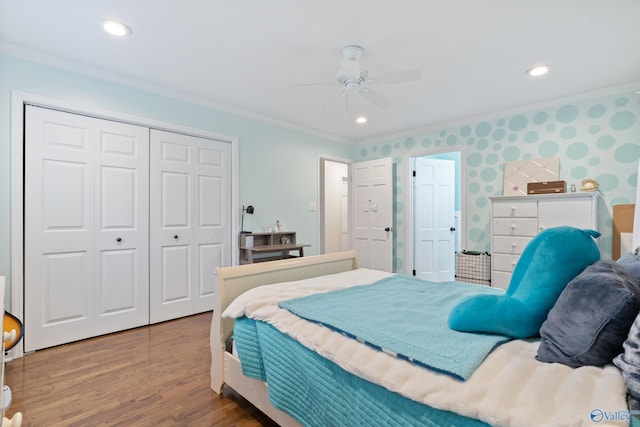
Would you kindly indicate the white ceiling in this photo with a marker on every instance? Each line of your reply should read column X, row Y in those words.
column 246, row 56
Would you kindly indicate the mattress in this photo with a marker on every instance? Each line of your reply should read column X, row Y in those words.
column 510, row 388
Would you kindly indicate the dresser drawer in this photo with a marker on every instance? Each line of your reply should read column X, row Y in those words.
column 500, row 279
column 515, row 226
column 515, row 208
column 510, row 244
column 504, row 262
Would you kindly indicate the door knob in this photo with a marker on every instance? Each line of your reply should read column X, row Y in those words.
column 452, row 229
column 387, row 229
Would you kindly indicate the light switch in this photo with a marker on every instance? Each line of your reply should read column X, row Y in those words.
column 313, row 207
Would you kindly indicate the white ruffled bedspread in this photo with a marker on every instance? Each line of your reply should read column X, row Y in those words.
column 510, row 388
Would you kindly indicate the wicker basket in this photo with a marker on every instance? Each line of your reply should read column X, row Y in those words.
column 473, row 267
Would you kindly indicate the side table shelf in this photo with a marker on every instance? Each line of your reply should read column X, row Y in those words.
column 261, row 247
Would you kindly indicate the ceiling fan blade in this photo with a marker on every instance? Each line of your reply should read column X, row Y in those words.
column 350, row 68
column 402, row 76
column 332, row 99
column 375, row 97
column 316, row 84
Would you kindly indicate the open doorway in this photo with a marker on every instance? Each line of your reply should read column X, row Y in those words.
column 436, row 214
column 334, row 206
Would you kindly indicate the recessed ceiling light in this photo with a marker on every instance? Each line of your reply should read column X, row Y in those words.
column 361, row 120
column 539, row 70
column 116, row 28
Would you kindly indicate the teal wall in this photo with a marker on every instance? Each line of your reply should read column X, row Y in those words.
column 598, row 139
column 278, row 166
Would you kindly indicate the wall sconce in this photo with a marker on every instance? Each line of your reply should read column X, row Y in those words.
column 249, row 210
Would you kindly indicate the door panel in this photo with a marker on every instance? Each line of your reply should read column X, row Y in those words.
column 59, row 222
column 64, row 195
column 176, row 272
column 66, row 279
column 117, row 281
column 122, row 231
column 85, row 187
column 373, row 213
column 192, row 234
column 175, row 200
column 434, row 198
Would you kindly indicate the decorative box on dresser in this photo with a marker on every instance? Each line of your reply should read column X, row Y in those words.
column 515, row 220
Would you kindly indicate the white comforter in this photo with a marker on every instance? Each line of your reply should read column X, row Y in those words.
column 510, row 388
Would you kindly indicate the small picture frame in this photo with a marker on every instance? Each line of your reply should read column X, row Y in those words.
column 285, row 240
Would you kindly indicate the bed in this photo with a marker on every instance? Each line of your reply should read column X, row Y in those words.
column 362, row 385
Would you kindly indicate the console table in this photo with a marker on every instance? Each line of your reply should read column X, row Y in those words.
column 261, row 247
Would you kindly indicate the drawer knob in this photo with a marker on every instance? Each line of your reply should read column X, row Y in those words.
column 513, row 245
column 513, row 226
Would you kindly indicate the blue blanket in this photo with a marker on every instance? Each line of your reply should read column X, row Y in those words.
column 319, row 393
column 404, row 316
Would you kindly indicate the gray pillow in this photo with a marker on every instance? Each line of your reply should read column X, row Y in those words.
column 591, row 318
column 629, row 364
column 631, row 263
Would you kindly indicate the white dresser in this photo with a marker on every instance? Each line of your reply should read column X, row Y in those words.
column 516, row 219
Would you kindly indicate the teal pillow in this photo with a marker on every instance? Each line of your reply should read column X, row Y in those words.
column 550, row 261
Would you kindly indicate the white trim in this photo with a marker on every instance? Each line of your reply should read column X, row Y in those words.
column 18, row 100
column 320, row 207
column 409, row 200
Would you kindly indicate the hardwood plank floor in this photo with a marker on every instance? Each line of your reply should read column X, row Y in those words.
column 155, row 375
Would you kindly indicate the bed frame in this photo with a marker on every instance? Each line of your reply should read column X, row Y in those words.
column 233, row 281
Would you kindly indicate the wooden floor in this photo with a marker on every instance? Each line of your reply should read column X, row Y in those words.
column 150, row 376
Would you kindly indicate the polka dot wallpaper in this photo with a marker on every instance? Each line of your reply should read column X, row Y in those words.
column 598, row 139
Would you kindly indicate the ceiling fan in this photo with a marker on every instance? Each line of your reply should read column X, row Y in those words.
column 352, row 78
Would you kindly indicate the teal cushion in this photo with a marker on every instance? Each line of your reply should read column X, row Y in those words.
column 550, row 261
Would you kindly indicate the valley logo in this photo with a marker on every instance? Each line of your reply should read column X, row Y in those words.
column 598, row 415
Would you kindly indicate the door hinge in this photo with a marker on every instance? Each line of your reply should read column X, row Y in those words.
column 414, row 173
column 414, row 272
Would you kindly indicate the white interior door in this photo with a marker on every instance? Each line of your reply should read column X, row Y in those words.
column 434, row 222
column 83, row 181
column 190, row 222
column 335, row 212
column 372, row 213
column 122, row 227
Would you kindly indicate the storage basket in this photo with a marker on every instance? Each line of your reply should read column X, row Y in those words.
column 473, row 267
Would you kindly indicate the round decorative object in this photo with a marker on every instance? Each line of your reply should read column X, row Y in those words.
column 589, row 185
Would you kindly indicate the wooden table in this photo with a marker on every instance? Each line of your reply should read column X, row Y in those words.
column 272, row 252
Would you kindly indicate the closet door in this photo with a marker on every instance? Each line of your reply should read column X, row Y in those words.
column 86, row 186
column 190, row 222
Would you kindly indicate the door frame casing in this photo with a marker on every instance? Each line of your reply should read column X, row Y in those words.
column 320, row 205
column 18, row 100
column 410, row 202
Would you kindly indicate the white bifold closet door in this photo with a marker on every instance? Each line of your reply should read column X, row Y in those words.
column 190, row 197
column 86, row 227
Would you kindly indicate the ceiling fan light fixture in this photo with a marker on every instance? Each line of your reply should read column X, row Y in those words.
column 361, row 120
column 538, row 70
column 116, row 28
